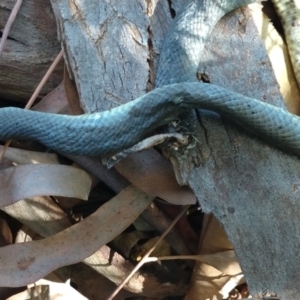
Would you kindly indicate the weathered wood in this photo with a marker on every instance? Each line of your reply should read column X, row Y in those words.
column 30, row 49
column 111, row 48
column 107, row 47
column 251, row 187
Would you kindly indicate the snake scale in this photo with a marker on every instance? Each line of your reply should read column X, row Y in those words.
column 176, row 92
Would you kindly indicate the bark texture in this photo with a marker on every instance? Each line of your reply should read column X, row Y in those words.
column 31, row 47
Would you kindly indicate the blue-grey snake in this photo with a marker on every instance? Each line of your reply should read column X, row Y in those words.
column 176, row 92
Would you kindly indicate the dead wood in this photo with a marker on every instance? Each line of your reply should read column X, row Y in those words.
column 29, row 50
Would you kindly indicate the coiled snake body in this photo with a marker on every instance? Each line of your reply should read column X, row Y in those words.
column 176, row 92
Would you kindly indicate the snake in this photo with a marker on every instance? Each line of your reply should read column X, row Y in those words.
column 176, row 91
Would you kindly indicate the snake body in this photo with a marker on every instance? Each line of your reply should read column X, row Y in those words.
column 114, row 130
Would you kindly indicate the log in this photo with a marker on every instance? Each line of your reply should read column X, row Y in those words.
column 29, row 50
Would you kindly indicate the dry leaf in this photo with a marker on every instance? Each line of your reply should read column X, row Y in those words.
column 279, row 57
column 212, row 277
column 54, row 102
column 226, row 262
column 213, row 236
column 48, row 290
column 23, row 157
column 154, row 175
column 41, row 214
column 27, row 181
column 126, row 241
column 24, row 263
column 214, row 286
column 162, row 249
column 182, row 241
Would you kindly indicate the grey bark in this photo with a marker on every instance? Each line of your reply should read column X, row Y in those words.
column 251, row 187
column 111, row 48
column 29, row 50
